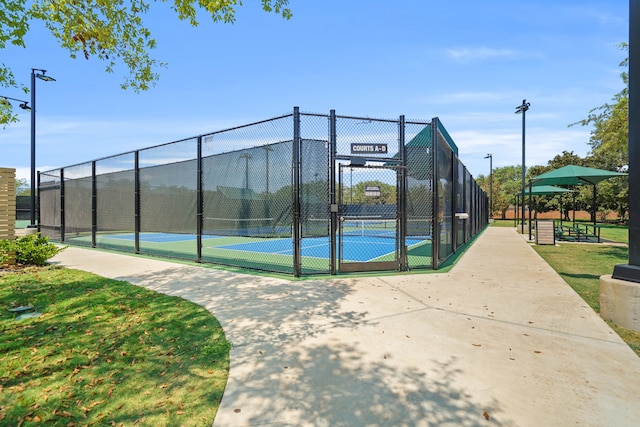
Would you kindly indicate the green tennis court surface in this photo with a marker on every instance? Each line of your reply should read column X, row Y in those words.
column 358, row 247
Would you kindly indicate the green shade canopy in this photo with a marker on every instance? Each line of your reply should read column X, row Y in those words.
column 546, row 190
column 574, row 175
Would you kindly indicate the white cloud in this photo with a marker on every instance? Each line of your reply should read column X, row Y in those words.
column 481, row 53
column 471, row 97
column 541, row 145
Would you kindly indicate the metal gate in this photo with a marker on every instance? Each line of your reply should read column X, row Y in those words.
column 368, row 220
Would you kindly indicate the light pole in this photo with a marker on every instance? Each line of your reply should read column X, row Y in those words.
column 267, row 149
column 24, row 104
column 523, row 109
column 246, row 158
column 490, row 157
column 267, row 209
column 41, row 75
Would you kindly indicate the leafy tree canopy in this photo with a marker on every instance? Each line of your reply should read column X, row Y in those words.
column 610, row 146
column 506, row 184
column 112, row 31
column 609, row 137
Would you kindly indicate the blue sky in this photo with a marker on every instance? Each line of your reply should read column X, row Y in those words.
column 468, row 62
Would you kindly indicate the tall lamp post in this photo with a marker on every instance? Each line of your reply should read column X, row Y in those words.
column 267, row 209
column 41, row 75
column 246, row 158
column 523, row 109
column 490, row 157
column 23, row 104
column 267, row 149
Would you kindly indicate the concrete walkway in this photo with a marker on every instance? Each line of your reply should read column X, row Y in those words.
column 500, row 340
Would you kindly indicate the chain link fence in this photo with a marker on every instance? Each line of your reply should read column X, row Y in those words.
column 298, row 194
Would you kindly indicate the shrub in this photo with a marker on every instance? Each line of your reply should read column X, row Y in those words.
column 32, row 249
column 5, row 255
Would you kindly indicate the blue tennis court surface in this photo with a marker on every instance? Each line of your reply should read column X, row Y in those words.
column 157, row 237
column 355, row 248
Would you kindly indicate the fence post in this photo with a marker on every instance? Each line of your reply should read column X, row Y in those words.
column 38, row 202
column 454, row 197
column 62, row 204
column 401, row 174
column 136, row 234
column 296, row 193
column 466, row 206
column 435, row 239
column 94, row 204
column 333, row 208
column 199, row 203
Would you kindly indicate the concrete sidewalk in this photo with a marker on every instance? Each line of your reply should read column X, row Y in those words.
column 500, row 340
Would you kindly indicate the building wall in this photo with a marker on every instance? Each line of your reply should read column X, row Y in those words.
column 7, row 203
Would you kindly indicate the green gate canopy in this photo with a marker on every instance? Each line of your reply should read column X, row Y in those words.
column 546, row 190
column 574, row 175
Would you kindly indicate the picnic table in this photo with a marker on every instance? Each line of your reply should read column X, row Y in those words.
column 595, row 230
column 577, row 232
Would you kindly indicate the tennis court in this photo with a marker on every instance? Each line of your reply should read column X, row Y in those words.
column 301, row 193
column 157, row 237
column 355, row 248
column 361, row 247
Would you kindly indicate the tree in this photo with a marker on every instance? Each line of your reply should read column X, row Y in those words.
column 112, row 31
column 609, row 137
column 610, row 146
column 22, row 187
column 555, row 202
column 506, row 184
column 358, row 195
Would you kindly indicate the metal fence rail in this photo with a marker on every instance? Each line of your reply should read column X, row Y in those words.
column 288, row 194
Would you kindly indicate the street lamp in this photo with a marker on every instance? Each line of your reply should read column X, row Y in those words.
column 24, row 104
column 267, row 149
column 246, row 158
column 523, row 109
column 267, row 209
column 490, row 157
column 41, row 75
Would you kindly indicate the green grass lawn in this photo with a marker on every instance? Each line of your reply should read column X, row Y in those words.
column 503, row 223
column 106, row 352
column 615, row 233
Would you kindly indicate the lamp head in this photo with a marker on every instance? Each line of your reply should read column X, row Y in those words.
column 488, row 156
column 45, row 78
column 23, row 104
column 524, row 107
